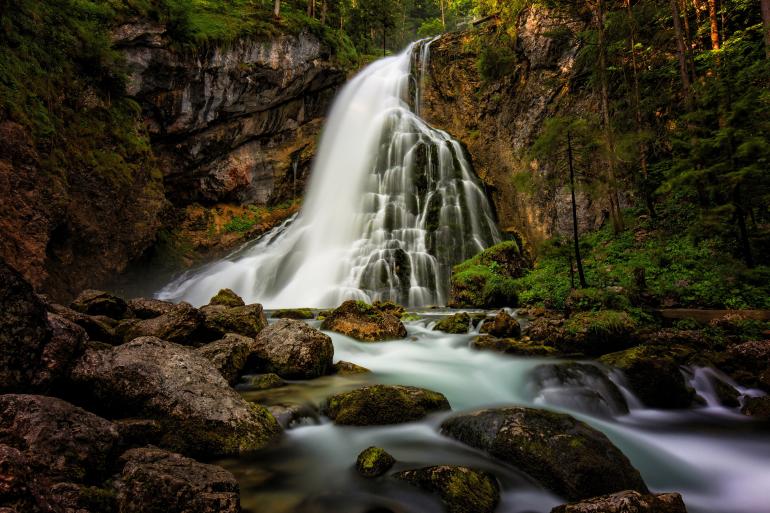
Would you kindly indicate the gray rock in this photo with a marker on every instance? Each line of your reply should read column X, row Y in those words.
column 628, row 501
column 246, row 320
column 293, row 350
column 462, row 489
column 145, row 308
column 183, row 324
column 99, row 302
column 384, row 404
column 229, row 355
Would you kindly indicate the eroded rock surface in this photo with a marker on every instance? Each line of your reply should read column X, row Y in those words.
column 384, row 404
column 363, row 322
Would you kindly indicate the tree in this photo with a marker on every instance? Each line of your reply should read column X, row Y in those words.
column 575, row 231
column 765, row 7
column 714, row 24
column 681, row 53
column 277, row 9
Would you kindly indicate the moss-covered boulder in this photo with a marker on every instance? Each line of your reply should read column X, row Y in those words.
column 363, row 322
column 627, row 501
column 229, row 355
column 390, row 307
column 384, row 404
column 457, row 323
column 487, row 280
column 374, row 462
column 293, row 350
column 247, row 320
column 294, row 313
column 653, row 374
column 512, row 346
column 227, row 297
column 461, row 489
column 98, row 302
column 566, row 455
column 154, row 379
column 343, row 368
column 597, row 333
column 595, row 299
column 503, row 325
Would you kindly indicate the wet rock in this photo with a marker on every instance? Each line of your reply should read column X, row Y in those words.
column 363, row 322
column 24, row 331
column 67, row 343
column 183, row 324
column 597, row 333
column 343, row 368
column 294, row 313
column 59, row 440
column 502, row 326
column 138, row 432
column 98, row 302
column 512, row 346
column 757, row 407
column 229, row 355
column 263, row 381
column 374, row 462
column 145, row 308
column 384, row 404
column 157, row 481
column 97, row 327
column 578, row 386
column 566, row 455
column 156, row 379
column 290, row 415
column 457, row 323
column 462, row 489
column 749, row 363
column 293, row 350
column 227, row 297
column 628, row 501
column 246, row 320
column 653, row 374
column 22, row 490
column 727, row 394
column 389, row 307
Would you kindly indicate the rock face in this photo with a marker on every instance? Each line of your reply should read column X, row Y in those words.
column 229, row 122
column 293, row 350
column 157, row 481
column 374, row 462
column 566, row 455
column 384, row 404
column 462, row 489
column 627, row 501
column 363, row 322
column 152, row 378
column 59, row 440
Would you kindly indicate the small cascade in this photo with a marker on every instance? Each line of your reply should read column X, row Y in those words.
column 392, row 205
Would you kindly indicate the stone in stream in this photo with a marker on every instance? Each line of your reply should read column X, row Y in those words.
column 458, row 323
column 157, row 481
column 294, row 313
column 565, row 455
column 290, row 415
column 384, row 404
column 98, row 302
column 246, row 320
column 363, row 322
column 343, row 368
column 512, row 346
column 293, row 350
column 758, row 407
column 262, row 382
column 183, row 324
column 227, row 297
column 229, row 355
column 374, row 462
column 628, row 501
column 156, row 379
column 462, row 489
column 503, row 326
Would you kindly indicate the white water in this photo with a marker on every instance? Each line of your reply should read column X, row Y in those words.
column 392, row 204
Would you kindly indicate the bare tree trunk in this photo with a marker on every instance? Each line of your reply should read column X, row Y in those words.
column 443, row 14
column 765, row 6
column 575, row 232
column 688, row 41
column 324, row 9
column 277, row 9
column 698, row 22
column 681, row 51
column 311, row 8
column 615, row 214
column 714, row 24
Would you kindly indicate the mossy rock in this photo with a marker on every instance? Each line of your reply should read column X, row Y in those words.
column 582, row 387
column 343, row 368
column 384, row 404
column 227, row 297
column 390, row 307
column 487, row 280
column 374, row 462
column 294, row 313
column 512, row 346
column 363, row 322
column 503, row 325
column 457, row 323
column 627, row 501
column 262, row 381
column 567, row 456
column 597, row 333
column 247, row 320
column 653, row 374
column 461, row 489
column 594, row 299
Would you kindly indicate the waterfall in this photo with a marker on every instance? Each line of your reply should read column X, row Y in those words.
column 392, row 204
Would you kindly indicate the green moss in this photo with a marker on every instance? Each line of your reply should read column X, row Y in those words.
column 488, row 279
column 384, row 404
column 294, row 313
column 374, row 462
column 457, row 323
column 226, row 297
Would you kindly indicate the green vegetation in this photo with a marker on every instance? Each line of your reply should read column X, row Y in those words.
column 487, row 279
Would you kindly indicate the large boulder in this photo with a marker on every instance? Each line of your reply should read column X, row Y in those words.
column 503, row 326
column 59, row 440
column 653, row 374
column 293, row 350
column 363, row 322
column 98, row 302
column 246, row 320
column 156, row 379
column 98, row 328
column 597, row 333
column 628, row 501
column 565, row 455
column 461, row 489
column 458, row 323
column 157, row 481
column 24, row 331
column 67, row 343
column 384, row 404
column 183, row 324
column 227, row 297
column 145, row 308
column 229, row 355
column 487, row 280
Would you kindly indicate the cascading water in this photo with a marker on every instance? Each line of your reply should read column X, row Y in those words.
column 392, row 204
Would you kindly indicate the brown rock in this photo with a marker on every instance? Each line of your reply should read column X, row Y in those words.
column 462, row 489
column 343, row 368
column 293, row 350
column 512, row 346
column 245, row 320
column 98, row 302
column 183, row 325
column 67, row 343
column 145, row 308
column 502, row 326
column 227, row 297
column 384, row 404
column 96, row 326
column 363, row 322
column 229, row 355
column 628, row 501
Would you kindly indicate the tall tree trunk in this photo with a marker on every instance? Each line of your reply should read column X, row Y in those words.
column 688, row 40
column 324, row 9
column 714, row 24
column 765, row 6
column 575, row 232
column 615, row 214
column 277, row 8
column 311, row 8
column 682, row 54
column 443, row 14
column 698, row 6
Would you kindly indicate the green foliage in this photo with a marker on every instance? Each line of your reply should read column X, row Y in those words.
column 242, row 223
column 497, row 60
column 487, row 279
